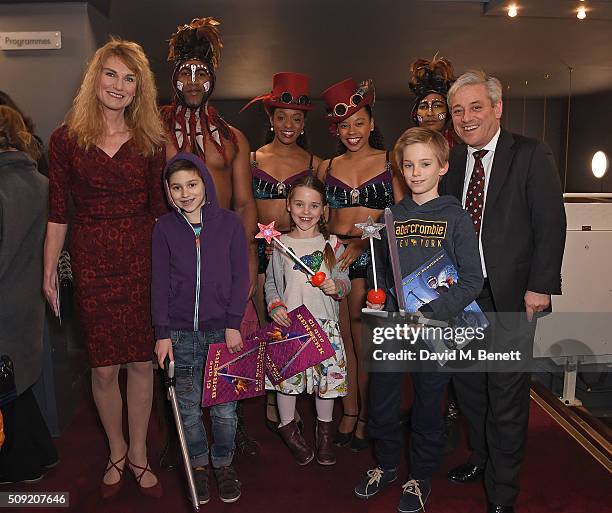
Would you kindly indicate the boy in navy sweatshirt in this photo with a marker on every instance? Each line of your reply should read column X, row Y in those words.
column 199, row 293
column 422, row 156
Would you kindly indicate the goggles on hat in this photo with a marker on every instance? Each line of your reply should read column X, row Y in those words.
column 340, row 109
column 287, row 97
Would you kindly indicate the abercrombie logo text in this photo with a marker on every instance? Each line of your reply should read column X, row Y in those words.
column 418, row 232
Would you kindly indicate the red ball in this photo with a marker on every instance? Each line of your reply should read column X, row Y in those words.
column 377, row 297
column 318, row 278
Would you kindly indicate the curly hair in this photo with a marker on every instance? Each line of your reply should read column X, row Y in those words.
column 375, row 140
column 435, row 75
column 15, row 134
column 85, row 119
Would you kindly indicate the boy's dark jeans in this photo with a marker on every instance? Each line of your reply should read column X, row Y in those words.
column 427, row 426
column 190, row 349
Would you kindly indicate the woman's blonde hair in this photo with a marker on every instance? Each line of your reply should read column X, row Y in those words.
column 85, row 119
column 14, row 133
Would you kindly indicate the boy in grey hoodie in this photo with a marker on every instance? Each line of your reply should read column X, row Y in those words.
column 425, row 223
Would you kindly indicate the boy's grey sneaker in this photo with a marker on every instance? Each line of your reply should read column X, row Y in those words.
column 200, row 477
column 414, row 496
column 374, row 481
column 227, row 484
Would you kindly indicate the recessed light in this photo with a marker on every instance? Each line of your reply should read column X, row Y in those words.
column 599, row 164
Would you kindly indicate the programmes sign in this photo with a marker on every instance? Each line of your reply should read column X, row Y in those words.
column 30, row 40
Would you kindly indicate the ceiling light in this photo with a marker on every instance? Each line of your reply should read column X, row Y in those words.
column 581, row 14
column 512, row 11
column 599, row 164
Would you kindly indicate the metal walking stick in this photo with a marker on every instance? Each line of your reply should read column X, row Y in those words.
column 170, row 385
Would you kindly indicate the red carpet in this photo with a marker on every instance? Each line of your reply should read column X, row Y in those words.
column 558, row 476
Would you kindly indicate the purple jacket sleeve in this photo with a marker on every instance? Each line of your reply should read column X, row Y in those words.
column 160, row 284
column 240, row 277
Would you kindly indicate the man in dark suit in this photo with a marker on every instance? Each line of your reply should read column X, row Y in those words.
column 510, row 186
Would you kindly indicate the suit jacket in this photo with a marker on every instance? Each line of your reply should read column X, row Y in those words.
column 523, row 228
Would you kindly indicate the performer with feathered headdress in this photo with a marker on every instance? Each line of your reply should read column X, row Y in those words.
column 193, row 125
column 430, row 81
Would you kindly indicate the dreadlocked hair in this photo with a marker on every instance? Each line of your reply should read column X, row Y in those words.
column 312, row 182
column 426, row 76
column 200, row 39
column 375, row 140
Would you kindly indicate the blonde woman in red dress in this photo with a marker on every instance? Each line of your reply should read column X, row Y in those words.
column 107, row 158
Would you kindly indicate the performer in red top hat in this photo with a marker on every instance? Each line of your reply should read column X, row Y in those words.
column 282, row 160
column 359, row 182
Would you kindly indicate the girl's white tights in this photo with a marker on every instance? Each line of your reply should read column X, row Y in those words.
column 286, row 408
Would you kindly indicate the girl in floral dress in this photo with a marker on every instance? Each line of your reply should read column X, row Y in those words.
column 287, row 287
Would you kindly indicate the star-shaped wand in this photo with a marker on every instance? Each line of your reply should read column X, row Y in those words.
column 370, row 231
column 268, row 232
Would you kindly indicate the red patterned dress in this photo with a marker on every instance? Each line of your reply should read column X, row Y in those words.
column 116, row 201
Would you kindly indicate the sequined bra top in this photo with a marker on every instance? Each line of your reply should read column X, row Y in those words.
column 268, row 187
column 375, row 193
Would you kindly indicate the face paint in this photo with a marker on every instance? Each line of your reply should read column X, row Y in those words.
column 193, row 69
column 193, row 82
column 431, row 112
column 434, row 106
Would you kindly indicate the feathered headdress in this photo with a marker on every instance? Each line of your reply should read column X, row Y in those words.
column 200, row 40
column 434, row 76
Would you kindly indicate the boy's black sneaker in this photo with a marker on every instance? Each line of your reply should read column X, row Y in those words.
column 200, row 478
column 228, row 484
column 414, row 496
column 374, row 481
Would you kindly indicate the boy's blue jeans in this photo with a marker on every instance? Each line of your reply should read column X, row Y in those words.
column 190, row 349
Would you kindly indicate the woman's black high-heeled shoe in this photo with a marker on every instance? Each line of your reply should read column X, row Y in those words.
column 359, row 444
column 344, row 439
column 270, row 424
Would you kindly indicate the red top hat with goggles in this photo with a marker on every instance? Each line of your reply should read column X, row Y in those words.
column 289, row 91
column 345, row 98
